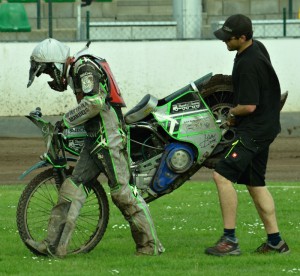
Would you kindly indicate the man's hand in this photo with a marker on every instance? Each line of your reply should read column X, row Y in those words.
column 239, row 110
column 231, row 121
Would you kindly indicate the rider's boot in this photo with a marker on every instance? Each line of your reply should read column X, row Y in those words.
column 77, row 196
column 136, row 212
column 40, row 247
column 61, row 217
column 55, row 227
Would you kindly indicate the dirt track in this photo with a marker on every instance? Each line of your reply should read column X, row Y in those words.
column 19, row 154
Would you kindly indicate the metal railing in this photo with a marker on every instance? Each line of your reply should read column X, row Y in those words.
column 131, row 30
column 274, row 28
column 68, row 22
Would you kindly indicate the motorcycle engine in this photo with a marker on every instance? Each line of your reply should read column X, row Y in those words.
column 179, row 160
column 144, row 172
column 176, row 160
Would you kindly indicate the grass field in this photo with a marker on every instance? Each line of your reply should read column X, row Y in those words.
column 187, row 221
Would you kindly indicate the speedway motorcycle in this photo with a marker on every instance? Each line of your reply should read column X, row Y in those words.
column 169, row 140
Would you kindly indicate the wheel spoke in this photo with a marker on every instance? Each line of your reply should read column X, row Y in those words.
column 37, row 201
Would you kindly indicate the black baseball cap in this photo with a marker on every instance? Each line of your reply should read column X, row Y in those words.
column 235, row 25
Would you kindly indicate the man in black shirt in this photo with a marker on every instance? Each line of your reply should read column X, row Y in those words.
column 256, row 118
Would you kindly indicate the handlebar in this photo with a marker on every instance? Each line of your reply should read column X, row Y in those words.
column 37, row 112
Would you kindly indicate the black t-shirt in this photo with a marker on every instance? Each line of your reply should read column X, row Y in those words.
column 255, row 83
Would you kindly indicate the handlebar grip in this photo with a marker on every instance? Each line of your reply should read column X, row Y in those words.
column 37, row 112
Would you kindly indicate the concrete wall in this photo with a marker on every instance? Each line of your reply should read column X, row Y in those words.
column 158, row 68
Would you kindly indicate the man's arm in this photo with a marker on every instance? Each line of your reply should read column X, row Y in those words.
column 89, row 94
column 239, row 110
column 242, row 110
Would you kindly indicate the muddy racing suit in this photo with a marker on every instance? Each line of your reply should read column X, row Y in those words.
column 104, row 151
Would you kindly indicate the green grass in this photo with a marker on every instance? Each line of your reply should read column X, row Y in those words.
column 187, row 221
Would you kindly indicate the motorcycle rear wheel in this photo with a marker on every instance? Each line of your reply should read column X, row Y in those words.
column 37, row 201
column 218, row 94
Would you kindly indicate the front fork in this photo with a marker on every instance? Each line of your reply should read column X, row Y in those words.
column 59, row 175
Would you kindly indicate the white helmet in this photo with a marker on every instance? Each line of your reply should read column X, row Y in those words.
column 49, row 57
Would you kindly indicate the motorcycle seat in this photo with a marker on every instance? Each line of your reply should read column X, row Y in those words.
column 147, row 104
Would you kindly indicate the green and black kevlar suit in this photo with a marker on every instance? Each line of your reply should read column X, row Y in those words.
column 104, row 149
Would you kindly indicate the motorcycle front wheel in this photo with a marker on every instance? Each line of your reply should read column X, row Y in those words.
column 37, row 201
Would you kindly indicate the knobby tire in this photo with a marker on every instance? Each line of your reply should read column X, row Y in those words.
column 37, row 201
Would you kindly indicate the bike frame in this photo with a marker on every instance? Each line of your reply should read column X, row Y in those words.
column 55, row 155
column 190, row 122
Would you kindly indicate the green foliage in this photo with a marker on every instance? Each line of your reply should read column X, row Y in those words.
column 187, row 221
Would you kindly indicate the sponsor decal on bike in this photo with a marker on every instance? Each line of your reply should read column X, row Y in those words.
column 196, row 123
column 193, row 105
column 76, row 129
column 209, row 139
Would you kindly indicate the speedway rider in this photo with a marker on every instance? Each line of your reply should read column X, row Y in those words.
column 104, row 150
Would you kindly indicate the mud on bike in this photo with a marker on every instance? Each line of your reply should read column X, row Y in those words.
column 169, row 140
